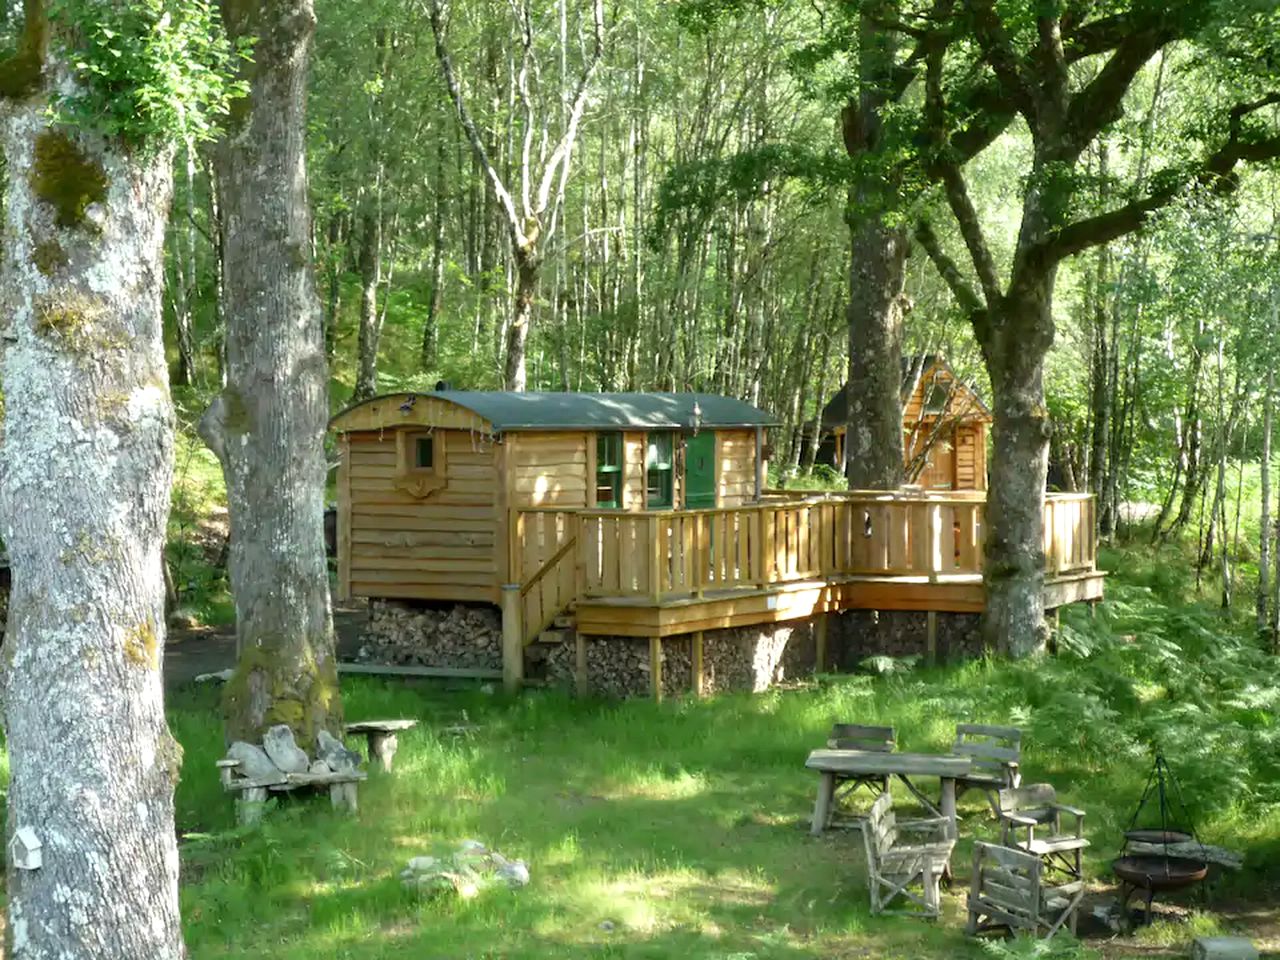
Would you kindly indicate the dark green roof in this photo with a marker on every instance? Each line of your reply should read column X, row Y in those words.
column 604, row 411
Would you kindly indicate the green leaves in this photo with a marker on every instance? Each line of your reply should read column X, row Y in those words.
column 153, row 72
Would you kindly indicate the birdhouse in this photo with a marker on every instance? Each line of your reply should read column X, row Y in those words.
column 24, row 850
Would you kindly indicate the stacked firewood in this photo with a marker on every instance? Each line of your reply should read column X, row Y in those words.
column 456, row 635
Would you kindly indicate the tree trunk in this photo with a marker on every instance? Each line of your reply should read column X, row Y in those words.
column 873, row 441
column 268, row 425
column 1264, row 526
column 367, row 349
column 435, row 299
column 1014, row 571
column 873, row 438
column 85, row 472
column 333, row 281
column 1101, row 394
column 527, row 268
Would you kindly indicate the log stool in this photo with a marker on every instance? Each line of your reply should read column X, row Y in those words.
column 381, row 737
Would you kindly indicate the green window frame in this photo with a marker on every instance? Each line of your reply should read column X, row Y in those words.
column 609, row 470
column 660, row 470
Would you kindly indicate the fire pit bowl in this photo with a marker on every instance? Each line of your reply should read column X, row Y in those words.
column 1154, row 872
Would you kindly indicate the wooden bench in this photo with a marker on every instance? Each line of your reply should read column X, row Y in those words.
column 381, row 738
column 253, row 791
column 912, row 871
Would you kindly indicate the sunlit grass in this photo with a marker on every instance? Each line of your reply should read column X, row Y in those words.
column 681, row 829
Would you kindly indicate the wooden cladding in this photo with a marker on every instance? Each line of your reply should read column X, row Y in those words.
column 691, row 553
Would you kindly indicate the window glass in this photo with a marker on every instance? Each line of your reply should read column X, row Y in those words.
column 609, row 470
column 936, row 401
column 658, row 473
column 424, row 453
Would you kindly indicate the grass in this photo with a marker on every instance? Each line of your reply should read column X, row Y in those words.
column 680, row 829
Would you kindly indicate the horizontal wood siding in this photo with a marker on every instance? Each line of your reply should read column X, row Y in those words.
column 550, row 469
column 735, row 467
column 441, row 547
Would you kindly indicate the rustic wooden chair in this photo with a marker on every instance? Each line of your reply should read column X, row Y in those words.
column 912, row 871
column 1008, row 892
column 853, row 736
column 995, row 752
column 1031, row 821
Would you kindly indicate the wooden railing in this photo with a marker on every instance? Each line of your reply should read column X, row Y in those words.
column 560, row 555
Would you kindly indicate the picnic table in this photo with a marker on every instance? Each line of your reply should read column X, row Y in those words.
column 832, row 764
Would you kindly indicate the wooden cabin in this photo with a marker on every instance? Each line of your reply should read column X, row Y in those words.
column 944, row 427
column 428, row 483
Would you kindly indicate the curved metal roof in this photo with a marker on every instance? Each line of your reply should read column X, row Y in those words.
column 596, row 411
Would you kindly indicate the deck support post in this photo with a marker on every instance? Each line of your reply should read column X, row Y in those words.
column 1055, row 625
column 931, row 638
column 512, row 639
column 655, row 668
column 820, row 643
column 580, row 664
column 699, row 689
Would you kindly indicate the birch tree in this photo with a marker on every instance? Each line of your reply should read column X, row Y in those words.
column 92, row 107
column 267, row 426
column 531, row 202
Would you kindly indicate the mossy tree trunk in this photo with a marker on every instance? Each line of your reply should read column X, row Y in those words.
column 267, row 427
column 85, row 471
column 877, row 270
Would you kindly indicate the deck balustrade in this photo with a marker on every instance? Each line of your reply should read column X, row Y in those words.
column 559, row 556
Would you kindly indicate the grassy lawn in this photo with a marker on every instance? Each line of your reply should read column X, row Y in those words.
column 680, row 830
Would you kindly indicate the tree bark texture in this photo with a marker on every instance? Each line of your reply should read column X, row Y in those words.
column 370, row 328
column 527, row 270
column 267, row 427
column 873, row 438
column 1264, row 525
column 85, row 472
column 1014, row 565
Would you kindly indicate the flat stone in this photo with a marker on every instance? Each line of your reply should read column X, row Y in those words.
column 335, row 753
column 279, row 744
column 254, row 762
column 1223, row 948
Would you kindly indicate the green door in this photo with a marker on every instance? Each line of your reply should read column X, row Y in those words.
column 700, row 471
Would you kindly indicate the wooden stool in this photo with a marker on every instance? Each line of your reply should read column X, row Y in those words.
column 381, row 737
column 253, row 791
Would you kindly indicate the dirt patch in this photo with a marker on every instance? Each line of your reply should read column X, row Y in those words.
column 191, row 652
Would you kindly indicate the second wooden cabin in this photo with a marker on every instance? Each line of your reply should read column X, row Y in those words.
column 944, row 427
column 426, row 481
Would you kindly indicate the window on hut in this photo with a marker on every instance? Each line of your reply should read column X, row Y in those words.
column 609, row 470
column 659, row 470
column 424, row 452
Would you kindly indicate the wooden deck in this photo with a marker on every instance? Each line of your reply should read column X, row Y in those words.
column 666, row 573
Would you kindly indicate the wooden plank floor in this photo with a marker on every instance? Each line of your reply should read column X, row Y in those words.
column 641, row 616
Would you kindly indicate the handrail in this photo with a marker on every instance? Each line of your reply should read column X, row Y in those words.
column 677, row 553
column 546, row 567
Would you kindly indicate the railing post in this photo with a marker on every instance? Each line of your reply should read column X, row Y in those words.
column 766, row 545
column 933, row 541
column 512, row 639
column 516, row 547
column 698, row 563
column 579, row 556
column 655, row 564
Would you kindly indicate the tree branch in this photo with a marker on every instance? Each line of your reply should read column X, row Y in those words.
column 1100, row 102
column 998, row 51
column 436, row 13
column 950, row 272
column 945, row 169
column 564, row 148
column 1216, row 173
